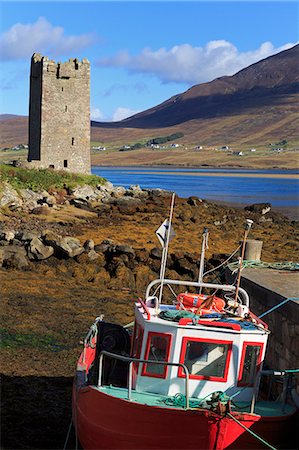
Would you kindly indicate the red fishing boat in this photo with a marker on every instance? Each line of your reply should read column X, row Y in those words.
column 187, row 377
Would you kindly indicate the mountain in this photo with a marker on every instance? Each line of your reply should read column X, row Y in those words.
column 263, row 84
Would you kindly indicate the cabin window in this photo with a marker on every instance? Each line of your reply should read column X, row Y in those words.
column 157, row 349
column 205, row 359
column 250, row 363
column 137, row 343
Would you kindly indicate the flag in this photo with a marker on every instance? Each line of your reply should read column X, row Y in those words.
column 162, row 232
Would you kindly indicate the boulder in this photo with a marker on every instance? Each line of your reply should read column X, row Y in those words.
column 92, row 255
column 30, row 196
column 136, row 192
column 118, row 192
column 261, row 208
column 38, row 251
column 7, row 235
column 88, row 245
column 13, row 257
column 74, row 246
column 194, row 201
column 64, row 247
column 9, row 197
column 86, row 193
column 27, row 236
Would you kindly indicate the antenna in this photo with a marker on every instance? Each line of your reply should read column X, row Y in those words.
column 247, row 227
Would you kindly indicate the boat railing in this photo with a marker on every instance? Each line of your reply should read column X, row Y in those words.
column 286, row 374
column 223, row 287
column 131, row 361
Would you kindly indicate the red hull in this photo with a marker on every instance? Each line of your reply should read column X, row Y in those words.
column 106, row 422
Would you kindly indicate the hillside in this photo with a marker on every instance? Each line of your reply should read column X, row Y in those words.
column 254, row 107
column 259, row 104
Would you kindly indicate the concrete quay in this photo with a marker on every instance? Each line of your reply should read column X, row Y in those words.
column 267, row 288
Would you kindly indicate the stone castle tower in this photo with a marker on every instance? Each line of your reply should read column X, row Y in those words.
column 59, row 114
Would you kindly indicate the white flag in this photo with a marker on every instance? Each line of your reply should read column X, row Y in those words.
column 162, row 232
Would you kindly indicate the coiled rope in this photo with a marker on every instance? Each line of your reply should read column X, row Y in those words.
column 283, row 265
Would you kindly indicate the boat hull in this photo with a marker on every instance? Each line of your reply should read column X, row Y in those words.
column 106, row 422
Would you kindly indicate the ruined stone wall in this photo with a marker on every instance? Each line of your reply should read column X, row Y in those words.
column 59, row 123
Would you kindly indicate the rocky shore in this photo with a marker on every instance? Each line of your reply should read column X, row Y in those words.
column 68, row 255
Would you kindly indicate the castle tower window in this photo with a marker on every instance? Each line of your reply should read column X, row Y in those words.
column 51, row 166
column 65, row 108
column 73, row 141
column 65, row 163
column 62, row 89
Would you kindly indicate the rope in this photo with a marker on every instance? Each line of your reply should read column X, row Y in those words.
column 222, row 264
column 68, row 435
column 283, row 265
column 251, row 432
column 278, row 306
column 180, row 400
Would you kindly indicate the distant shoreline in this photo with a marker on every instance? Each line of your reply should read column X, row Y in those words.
column 223, row 174
column 182, row 166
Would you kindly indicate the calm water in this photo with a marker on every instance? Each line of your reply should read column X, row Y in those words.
column 249, row 187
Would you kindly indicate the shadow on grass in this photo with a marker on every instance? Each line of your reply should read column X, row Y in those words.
column 36, row 412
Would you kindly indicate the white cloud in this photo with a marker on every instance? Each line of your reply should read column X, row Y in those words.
column 122, row 113
column 185, row 63
column 22, row 40
column 96, row 114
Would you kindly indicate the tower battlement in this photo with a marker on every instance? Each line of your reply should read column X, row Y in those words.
column 59, row 114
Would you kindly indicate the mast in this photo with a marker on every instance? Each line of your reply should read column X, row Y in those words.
column 204, row 246
column 167, row 225
column 247, row 226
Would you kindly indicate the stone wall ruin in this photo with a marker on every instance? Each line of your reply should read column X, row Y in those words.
column 59, row 114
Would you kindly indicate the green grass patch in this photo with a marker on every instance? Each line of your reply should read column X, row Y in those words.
column 14, row 340
column 45, row 179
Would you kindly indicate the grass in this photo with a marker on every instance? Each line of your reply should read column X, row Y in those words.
column 24, row 340
column 45, row 179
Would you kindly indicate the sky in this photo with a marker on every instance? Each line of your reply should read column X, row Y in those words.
column 141, row 52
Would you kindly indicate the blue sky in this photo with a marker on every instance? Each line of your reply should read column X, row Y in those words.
column 141, row 53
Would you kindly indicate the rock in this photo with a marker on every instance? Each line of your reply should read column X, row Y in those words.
column 7, row 235
column 102, row 248
column 38, row 251
column 13, row 257
column 261, row 208
column 264, row 219
column 194, row 201
column 221, row 222
column 88, row 245
column 30, row 196
column 9, row 197
column 136, row 192
column 74, row 245
column 64, row 247
column 84, row 193
column 27, row 235
column 118, row 192
column 158, row 192
column 92, row 255
column 156, row 253
column 124, row 249
column 41, row 210
column 51, row 200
